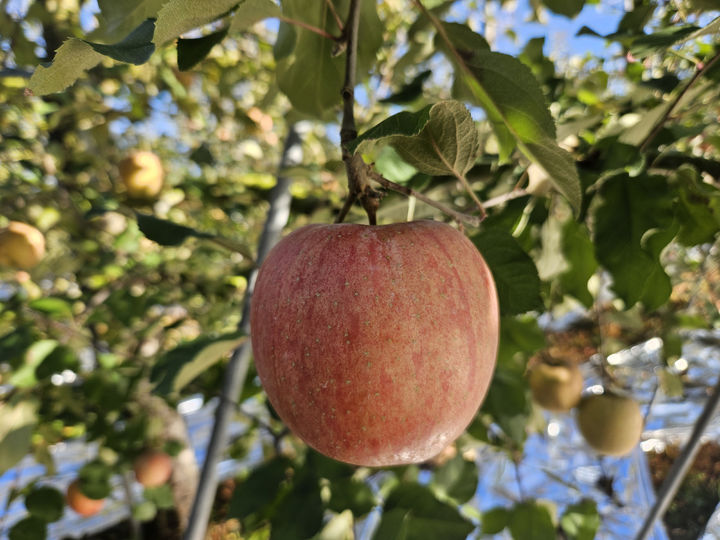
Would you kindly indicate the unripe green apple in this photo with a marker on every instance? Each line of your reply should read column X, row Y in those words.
column 611, row 424
column 152, row 468
column 142, row 174
column 557, row 388
column 375, row 344
column 81, row 503
column 22, row 246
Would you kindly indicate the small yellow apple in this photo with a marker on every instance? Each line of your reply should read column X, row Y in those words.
column 22, row 246
column 142, row 174
column 557, row 388
column 611, row 424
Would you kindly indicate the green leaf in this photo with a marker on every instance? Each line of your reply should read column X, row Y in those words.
column 190, row 52
column 164, row 232
column 569, row 8
column 632, row 226
column 29, row 528
column 46, row 503
column 180, row 366
column 457, row 479
column 581, row 520
column 440, row 139
column 60, row 359
column 145, row 511
column 350, row 494
column 312, row 77
column 75, row 56
column 516, row 277
column 697, row 207
column 411, row 91
column 24, row 375
column 285, row 42
column 260, row 488
column 250, row 12
column 161, row 496
column 94, row 479
column 494, row 520
column 645, row 45
column 300, row 513
column 179, row 16
column 579, row 253
column 516, row 108
column 54, row 307
column 72, row 60
column 17, row 424
column 412, row 512
column 117, row 19
column 531, row 521
column 508, row 402
column 136, row 48
column 559, row 166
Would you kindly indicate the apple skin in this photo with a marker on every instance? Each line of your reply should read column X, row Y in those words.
column 142, row 174
column 22, row 246
column 556, row 388
column 81, row 503
column 153, row 468
column 611, row 424
column 375, row 344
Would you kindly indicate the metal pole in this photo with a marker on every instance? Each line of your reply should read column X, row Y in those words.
column 682, row 464
column 237, row 368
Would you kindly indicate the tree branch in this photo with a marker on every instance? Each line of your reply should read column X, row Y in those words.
column 661, row 122
column 359, row 188
column 240, row 360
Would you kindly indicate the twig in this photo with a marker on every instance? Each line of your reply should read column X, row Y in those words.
column 311, row 28
column 389, row 184
column 661, row 122
column 505, row 197
column 239, row 362
column 359, row 188
column 136, row 531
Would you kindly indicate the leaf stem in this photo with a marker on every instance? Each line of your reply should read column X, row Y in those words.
column 460, row 176
column 474, row 221
column 311, row 28
column 661, row 122
column 335, row 15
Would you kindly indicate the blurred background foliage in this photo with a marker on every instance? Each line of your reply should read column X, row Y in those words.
column 81, row 332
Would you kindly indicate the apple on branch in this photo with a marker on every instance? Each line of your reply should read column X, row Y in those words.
column 81, row 503
column 375, row 344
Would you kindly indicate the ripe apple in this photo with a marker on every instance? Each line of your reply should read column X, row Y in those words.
column 557, row 388
column 153, row 468
column 375, row 344
column 22, row 246
column 611, row 424
column 81, row 503
column 142, row 174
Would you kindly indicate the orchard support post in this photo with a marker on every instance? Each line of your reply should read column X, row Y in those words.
column 683, row 462
column 236, row 371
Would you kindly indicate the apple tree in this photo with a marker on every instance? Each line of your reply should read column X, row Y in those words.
column 155, row 150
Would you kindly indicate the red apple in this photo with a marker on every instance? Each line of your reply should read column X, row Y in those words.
column 375, row 344
column 153, row 468
column 81, row 503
